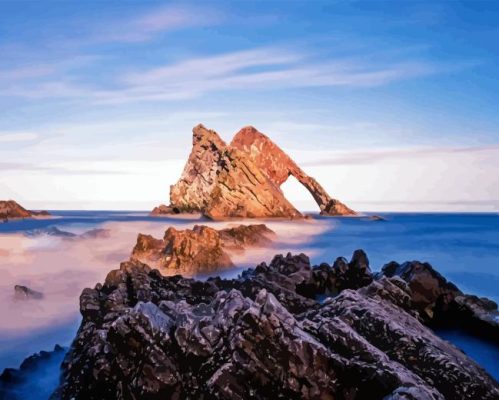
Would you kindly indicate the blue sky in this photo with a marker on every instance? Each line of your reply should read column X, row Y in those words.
column 97, row 99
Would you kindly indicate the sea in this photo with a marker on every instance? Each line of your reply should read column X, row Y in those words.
column 464, row 247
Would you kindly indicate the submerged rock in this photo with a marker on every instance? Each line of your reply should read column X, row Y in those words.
column 241, row 180
column 9, row 209
column 200, row 249
column 24, row 293
column 56, row 232
column 377, row 218
column 262, row 336
column 97, row 233
column 50, row 231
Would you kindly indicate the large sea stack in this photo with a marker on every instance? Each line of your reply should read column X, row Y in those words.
column 242, row 179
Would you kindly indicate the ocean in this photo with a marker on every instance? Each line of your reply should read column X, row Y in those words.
column 462, row 247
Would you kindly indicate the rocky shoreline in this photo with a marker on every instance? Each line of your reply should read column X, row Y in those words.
column 283, row 330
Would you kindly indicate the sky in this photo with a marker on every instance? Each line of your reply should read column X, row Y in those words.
column 392, row 106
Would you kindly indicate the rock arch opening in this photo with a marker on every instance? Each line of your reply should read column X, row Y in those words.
column 299, row 195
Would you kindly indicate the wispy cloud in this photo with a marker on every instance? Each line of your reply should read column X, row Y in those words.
column 9, row 137
column 369, row 157
column 149, row 24
column 259, row 69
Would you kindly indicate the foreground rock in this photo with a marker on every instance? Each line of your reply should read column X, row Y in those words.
column 440, row 303
column 9, row 209
column 198, row 250
column 262, row 336
column 241, row 180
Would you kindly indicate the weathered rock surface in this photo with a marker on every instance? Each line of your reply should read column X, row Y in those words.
column 200, row 249
column 9, row 209
column 261, row 336
column 241, row 180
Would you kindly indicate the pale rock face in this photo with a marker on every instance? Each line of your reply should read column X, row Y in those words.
column 243, row 179
column 193, row 190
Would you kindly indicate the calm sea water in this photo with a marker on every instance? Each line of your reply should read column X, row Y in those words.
column 463, row 247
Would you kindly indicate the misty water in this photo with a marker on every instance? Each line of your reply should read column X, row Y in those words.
column 463, row 247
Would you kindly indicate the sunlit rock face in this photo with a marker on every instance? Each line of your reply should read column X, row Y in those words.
column 278, row 166
column 261, row 336
column 241, row 180
column 198, row 250
column 9, row 209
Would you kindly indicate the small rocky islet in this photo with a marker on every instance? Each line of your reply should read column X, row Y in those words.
column 284, row 330
column 201, row 249
column 10, row 209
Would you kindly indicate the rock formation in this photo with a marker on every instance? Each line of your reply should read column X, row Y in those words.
column 278, row 166
column 9, row 209
column 200, row 249
column 263, row 336
column 241, row 180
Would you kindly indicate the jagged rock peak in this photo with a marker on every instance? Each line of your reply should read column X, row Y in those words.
column 202, row 135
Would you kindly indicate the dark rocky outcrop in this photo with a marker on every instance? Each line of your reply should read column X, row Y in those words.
column 262, row 336
column 9, row 209
column 376, row 218
column 200, row 249
column 35, row 375
column 241, row 180
column 441, row 304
